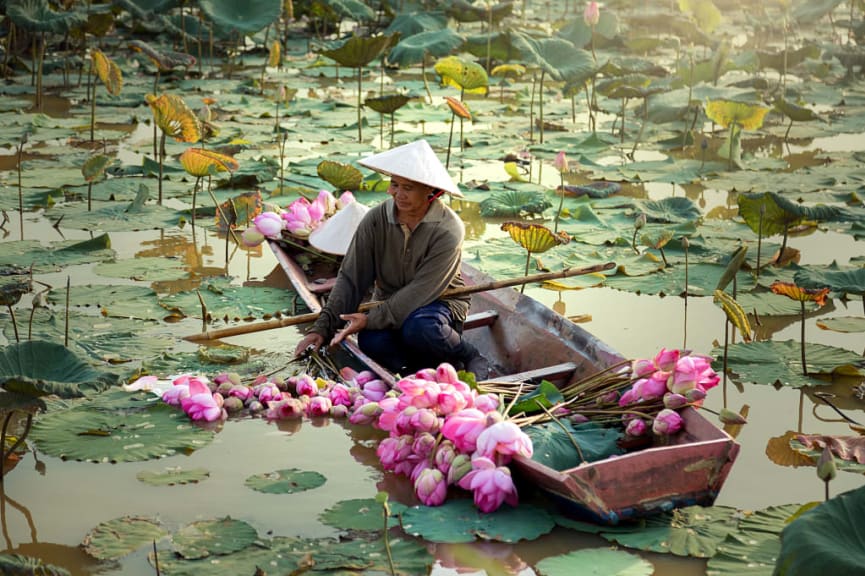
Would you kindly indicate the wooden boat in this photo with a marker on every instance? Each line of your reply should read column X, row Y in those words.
column 526, row 341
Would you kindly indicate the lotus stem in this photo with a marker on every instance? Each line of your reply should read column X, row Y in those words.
column 541, row 106
column 3, row 444
column 14, row 323
column 450, row 140
column 359, row 90
column 20, row 189
column 564, row 429
column 66, row 327
column 730, row 151
column 760, row 237
column 526, row 273
column 532, row 112
column 386, row 512
column 802, row 338
column 161, row 160
column 685, row 337
column 194, row 195
column 561, row 203
column 91, row 92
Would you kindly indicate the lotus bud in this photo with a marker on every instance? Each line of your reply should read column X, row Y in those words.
column 640, row 221
column 339, row 411
column 493, row 418
column 220, row 378
column 667, row 422
column 636, row 428
column 219, row 399
column 674, row 401
column 695, row 395
column 578, row 418
column 826, row 467
column 727, row 416
column 461, row 465
column 224, row 388
column 685, row 242
column 611, row 397
column 251, row 237
column 280, row 383
column 255, row 406
column 234, row 378
column 561, row 162
column 592, row 14
column 233, row 404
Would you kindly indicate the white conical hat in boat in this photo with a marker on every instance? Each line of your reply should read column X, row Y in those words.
column 334, row 234
column 415, row 161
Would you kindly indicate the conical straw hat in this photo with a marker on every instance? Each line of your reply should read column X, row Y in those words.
column 334, row 234
column 415, row 161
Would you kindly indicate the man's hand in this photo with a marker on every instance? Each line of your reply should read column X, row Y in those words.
column 355, row 322
column 313, row 341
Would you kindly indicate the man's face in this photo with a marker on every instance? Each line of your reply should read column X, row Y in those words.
column 410, row 196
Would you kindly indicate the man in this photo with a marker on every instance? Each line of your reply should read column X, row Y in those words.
column 408, row 249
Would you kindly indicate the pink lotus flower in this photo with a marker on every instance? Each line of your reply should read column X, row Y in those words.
column 394, row 450
column 460, row 466
column 446, row 374
column 297, row 218
column 327, row 201
column 389, row 412
column 201, row 403
column 642, row 368
column 654, row 387
column 492, row 485
column 345, row 199
column 267, row 392
column 450, row 400
column 444, row 456
column 374, row 390
column 425, row 420
column 636, row 428
column 486, row 402
column 306, row 385
column 340, row 395
column 463, row 428
column 667, row 422
column 363, row 378
column 666, row 359
column 365, row 414
column 424, row 444
column 561, row 162
column 674, row 401
column 431, row 487
column 176, row 393
column 319, row 406
column 284, row 409
column 592, row 14
column 504, row 438
column 269, row 224
column 240, row 391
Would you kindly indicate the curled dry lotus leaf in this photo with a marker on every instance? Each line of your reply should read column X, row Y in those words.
column 387, row 103
column 108, row 71
column 202, row 162
column 174, row 117
column 535, row 238
column 458, row 107
column 340, row 176
column 465, row 75
column 94, row 167
column 791, row 290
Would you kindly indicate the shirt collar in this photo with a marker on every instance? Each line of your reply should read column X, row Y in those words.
column 436, row 212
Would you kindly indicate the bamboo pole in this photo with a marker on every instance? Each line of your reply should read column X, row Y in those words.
column 312, row 316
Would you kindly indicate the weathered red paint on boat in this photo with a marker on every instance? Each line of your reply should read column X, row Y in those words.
column 526, row 339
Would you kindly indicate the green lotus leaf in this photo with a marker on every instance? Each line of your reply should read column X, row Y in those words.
column 207, row 538
column 350, row 9
column 244, row 16
column 745, row 553
column 145, row 429
column 385, row 104
column 173, row 476
column 458, row 520
column 778, row 363
column 40, row 368
column 114, row 300
column 780, row 213
column 148, row 268
column 765, row 303
column 117, row 216
column 844, row 280
column 464, row 11
column 116, row 538
column 287, row 481
column 556, row 56
column 411, row 24
column 513, row 203
column 546, row 395
column 361, row 514
column 18, row 564
column 553, row 443
column 629, row 86
column 702, row 279
column 846, row 324
column 810, row 12
column 114, row 340
column 37, row 16
column 25, row 253
column 358, row 51
column 463, row 74
column 230, row 302
column 601, row 560
column 673, row 210
column 339, row 175
column 95, row 167
column 692, row 531
column 827, row 539
column 436, row 43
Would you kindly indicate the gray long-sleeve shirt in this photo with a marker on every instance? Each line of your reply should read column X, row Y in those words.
column 408, row 269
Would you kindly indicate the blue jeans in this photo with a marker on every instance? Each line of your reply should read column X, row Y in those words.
column 428, row 337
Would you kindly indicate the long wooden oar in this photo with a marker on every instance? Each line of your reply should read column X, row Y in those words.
column 311, row 317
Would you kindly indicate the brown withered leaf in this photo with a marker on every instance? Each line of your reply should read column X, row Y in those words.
column 847, row 448
column 779, row 451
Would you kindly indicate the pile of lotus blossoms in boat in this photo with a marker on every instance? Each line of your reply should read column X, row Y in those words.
column 299, row 218
column 442, row 432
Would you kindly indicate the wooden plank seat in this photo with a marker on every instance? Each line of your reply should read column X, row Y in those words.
column 554, row 372
column 479, row 319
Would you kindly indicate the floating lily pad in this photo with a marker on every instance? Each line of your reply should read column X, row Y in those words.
column 512, row 203
column 173, row 476
column 25, row 253
column 39, row 368
column 287, row 481
column 213, row 538
column 693, row 531
column 361, row 514
column 24, row 565
column 231, row 302
column 150, row 269
column 96, row 433
column 115, row 300
column 847, row 324
column 596, row 561
column 779, row 363
column 745, row 553
column 116, row 538
column 460, row 521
